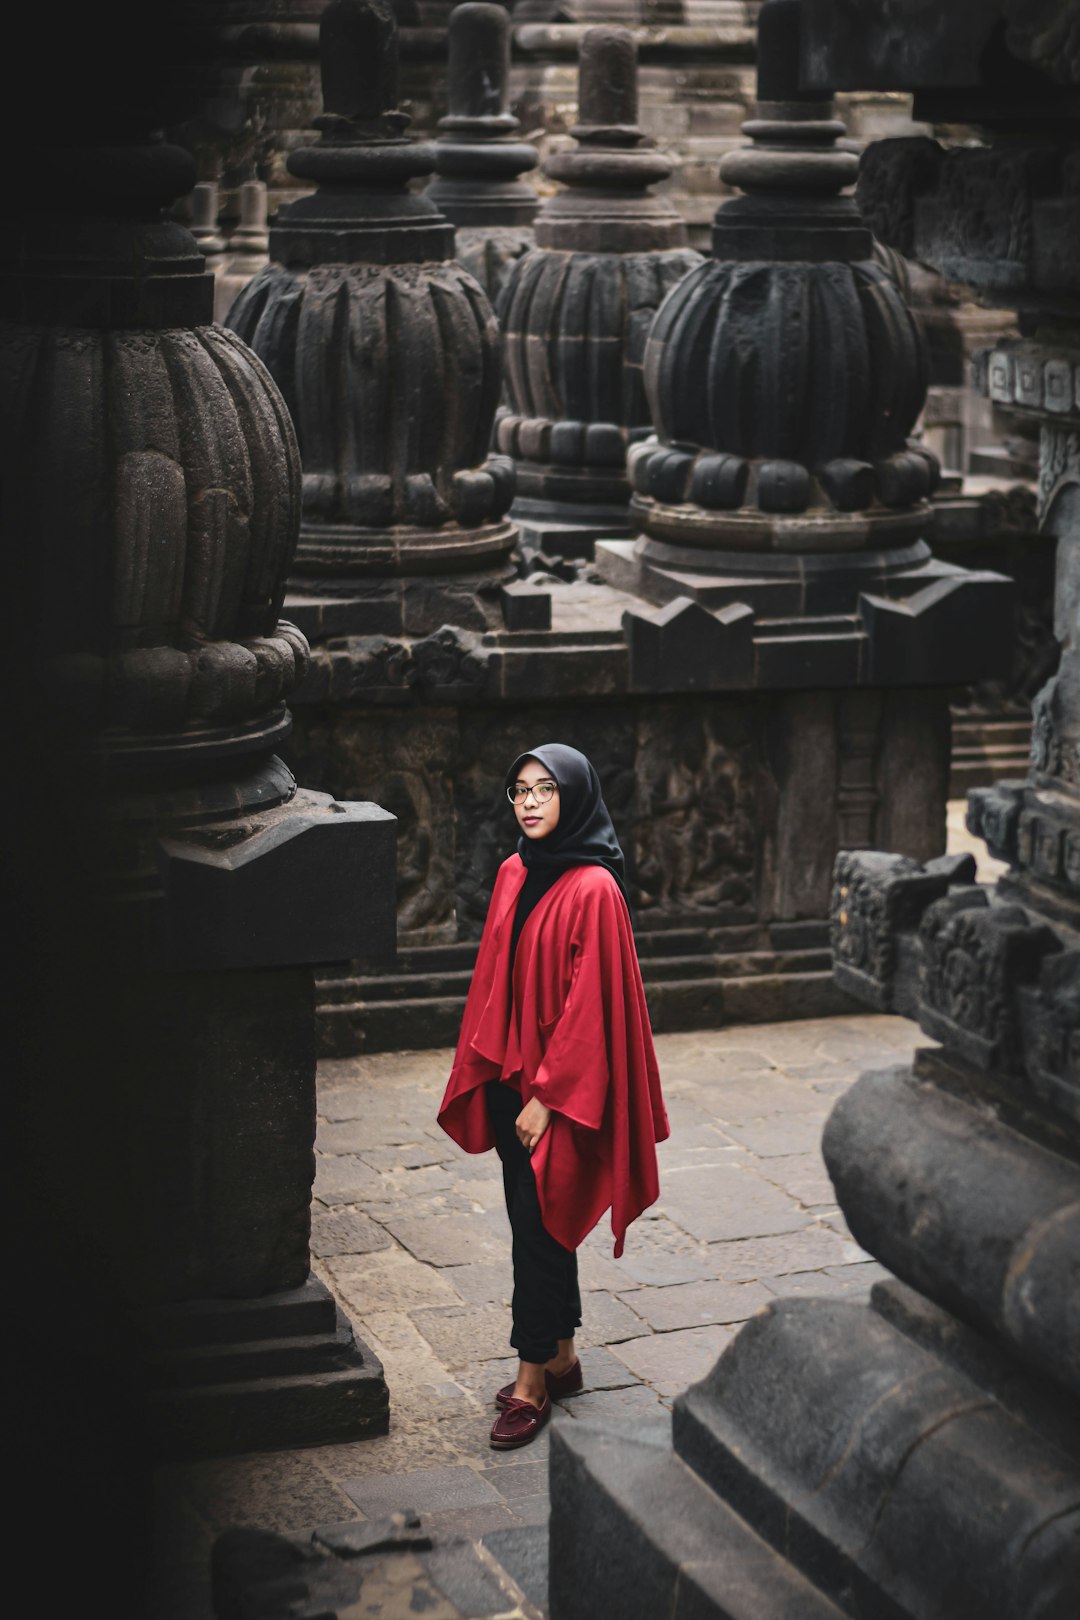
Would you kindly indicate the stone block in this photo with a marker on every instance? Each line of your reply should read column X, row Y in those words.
column 426, row 1490
column 744, row 1259
column 684, row 647
column 526, row 604
column 286, row 893
column 957, row 630
column 718, row 1203
column 693, row 1556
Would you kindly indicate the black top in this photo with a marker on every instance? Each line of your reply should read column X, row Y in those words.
column 538, row 880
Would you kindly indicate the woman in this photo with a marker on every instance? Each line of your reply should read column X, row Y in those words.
column 555, row 1066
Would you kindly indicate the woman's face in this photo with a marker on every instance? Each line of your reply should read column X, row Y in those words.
column 535, row 817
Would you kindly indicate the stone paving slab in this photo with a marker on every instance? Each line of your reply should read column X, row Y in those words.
column 412, row 1236
column 671, row 1362
column 694, row 1303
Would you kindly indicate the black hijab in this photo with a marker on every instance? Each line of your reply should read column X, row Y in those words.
column 584, row 835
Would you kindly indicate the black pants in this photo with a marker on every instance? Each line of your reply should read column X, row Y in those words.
column 546, row 1304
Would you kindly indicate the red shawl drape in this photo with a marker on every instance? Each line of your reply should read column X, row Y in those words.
column 575, row 1033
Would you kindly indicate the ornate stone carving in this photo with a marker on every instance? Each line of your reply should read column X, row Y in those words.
column 577, row 309
column 477, row 158
column 386, row 349
column 973, row 956
column 694, row 831
column 874, row 897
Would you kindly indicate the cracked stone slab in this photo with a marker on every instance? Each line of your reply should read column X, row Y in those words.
column 670, row 1362
column 693, row 1304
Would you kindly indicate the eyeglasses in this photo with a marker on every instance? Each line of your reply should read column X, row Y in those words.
column 542, row 792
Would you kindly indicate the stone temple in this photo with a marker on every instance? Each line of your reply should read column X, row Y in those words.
column 384, row 383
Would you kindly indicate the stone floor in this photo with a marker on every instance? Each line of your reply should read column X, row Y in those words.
column 411, row 1234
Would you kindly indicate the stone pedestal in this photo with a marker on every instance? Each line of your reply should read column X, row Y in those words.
column 576, row 311
column 169, row 881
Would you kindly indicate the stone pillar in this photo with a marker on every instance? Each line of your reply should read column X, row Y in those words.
column 576, row 312
column 387, row 352
column 172, row 883
column 477, row 158
column 920, row 1455
column 984, row 504
column 246, row 251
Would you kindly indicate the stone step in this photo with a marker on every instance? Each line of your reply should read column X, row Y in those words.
column 699, row 1002
column 200, row 1323
column 319, row 1408
column 204, row 1365
column 655, row 970
column 659, row 1541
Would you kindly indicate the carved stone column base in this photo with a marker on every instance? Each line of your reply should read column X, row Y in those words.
column 831, row 1463
column 281, row 1370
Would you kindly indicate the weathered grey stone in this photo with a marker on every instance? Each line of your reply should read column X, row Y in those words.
column 464, row 1334
column 479, row 153
column 454, row 1240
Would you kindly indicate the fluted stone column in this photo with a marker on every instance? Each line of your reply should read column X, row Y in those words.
column 387, row 352
column 577, row 310
column 477, row 156
column 174, row 883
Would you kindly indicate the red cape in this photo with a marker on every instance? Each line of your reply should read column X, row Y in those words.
column 576, row 1034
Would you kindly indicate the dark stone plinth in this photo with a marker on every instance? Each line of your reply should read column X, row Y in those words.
column 229, row 1376
column 576, row 310
column 477, row 157
column 387, row 353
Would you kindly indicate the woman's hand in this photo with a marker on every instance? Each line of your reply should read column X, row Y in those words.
column 532, row 1122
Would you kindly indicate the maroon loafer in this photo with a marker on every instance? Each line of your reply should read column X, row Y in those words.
column 558, row 1384
column 518, row 1423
